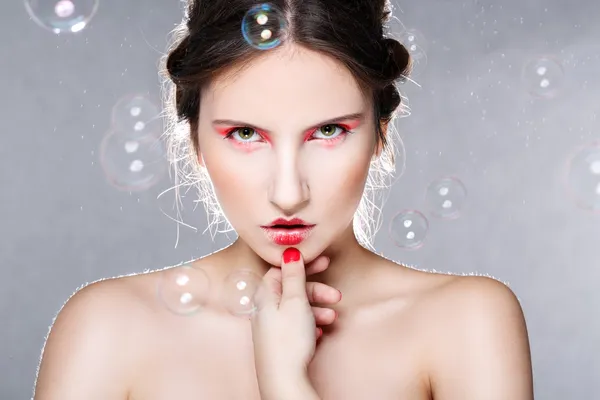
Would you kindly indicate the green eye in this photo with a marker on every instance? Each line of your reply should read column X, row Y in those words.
column 328, row 130
column 246, row 133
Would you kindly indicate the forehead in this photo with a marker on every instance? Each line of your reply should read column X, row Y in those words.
column 290, row 81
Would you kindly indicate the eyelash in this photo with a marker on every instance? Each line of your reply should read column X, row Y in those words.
column 345, row 131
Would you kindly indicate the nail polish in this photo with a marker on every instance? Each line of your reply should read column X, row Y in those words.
column 291, row 254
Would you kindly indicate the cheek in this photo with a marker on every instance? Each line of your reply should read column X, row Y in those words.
column 352, row 182
column 341, row 179
column 223, row 179
column 233, row 183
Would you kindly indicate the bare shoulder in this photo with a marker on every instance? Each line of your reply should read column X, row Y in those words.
column 114, row 300
column 452, row 300
column 478, row 299
column 445, row 292
column 478, row 342
column 89, row 352
column 472, row 289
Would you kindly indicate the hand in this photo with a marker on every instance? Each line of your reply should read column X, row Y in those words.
column 284, row 325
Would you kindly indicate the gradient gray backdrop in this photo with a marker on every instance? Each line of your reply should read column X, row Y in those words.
column 62, row 224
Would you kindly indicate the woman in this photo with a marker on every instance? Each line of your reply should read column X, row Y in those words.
column 286, row 109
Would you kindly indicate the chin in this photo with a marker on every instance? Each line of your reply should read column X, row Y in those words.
column 272, row 253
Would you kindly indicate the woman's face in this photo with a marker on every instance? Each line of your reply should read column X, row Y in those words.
column 290, row 136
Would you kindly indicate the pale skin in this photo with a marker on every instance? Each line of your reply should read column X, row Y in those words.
column 399, row 333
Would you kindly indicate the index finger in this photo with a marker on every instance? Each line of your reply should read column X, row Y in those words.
column 293, row 274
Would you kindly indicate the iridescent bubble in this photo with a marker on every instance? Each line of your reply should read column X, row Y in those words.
column 263, row 26
column 132, row 163
column 136, row 115
column 416, row 44
column 408, row 229
column 583, row 177
column 61, row 16
column 238, row 292
column 183, row 290
column 445, row 197
column 543, row 77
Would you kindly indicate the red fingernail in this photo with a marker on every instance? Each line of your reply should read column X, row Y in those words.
column 291, row 254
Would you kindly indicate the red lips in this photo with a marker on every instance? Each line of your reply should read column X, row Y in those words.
column 286, row 222
column 288, row 232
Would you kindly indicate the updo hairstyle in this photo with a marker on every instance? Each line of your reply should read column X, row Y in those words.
column 209, row 42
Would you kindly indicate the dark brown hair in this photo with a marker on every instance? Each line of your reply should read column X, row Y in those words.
column 351, row 31
column 210, row 41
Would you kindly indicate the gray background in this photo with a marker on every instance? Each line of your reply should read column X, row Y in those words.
column 62, row 223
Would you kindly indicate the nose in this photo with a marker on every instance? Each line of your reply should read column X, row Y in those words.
column 288, row 189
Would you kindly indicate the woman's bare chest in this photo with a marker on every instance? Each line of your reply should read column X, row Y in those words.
column 349, row 364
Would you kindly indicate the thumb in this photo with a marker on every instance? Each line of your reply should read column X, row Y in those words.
column 293, row 274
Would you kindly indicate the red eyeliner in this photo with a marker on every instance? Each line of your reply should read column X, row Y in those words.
column 226, row 130
column 351, row 124
column 223, row 131
column 245, row 146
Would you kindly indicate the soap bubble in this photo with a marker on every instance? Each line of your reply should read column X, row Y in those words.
column 132, row 163
column 61, row 16
column 583, row 177
column 445, row 197
column 263, row 26
column 183, row 290
column 136, row 115
column 543, row 77
column 238, row 293
column 416, row 45
column 408, row 229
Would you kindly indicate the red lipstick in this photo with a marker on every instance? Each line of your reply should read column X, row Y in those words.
column 287, row 232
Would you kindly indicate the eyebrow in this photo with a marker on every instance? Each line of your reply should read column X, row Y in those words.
column 353, row 116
